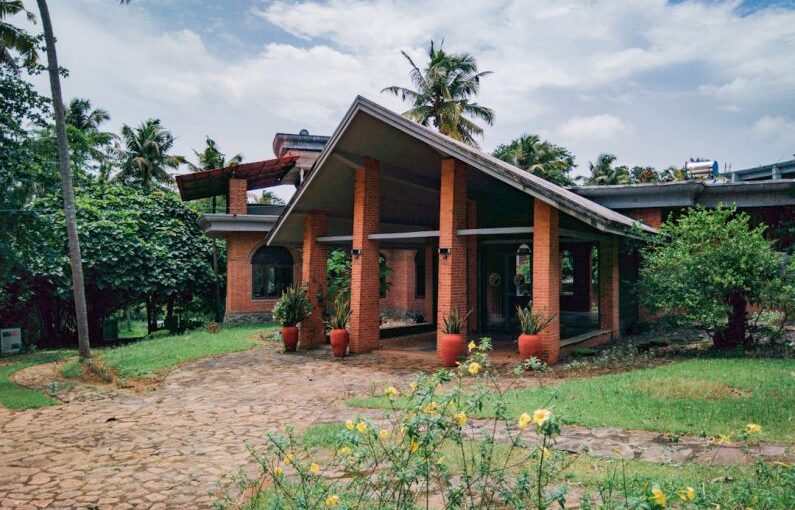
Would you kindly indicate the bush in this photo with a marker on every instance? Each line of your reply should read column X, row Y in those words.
column 708, row 266
column 293, row 307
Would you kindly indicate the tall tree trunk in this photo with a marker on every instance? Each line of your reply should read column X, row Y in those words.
column 78, row 289
column 151, row 316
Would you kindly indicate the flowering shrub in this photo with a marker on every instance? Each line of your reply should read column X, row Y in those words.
column 428, row 451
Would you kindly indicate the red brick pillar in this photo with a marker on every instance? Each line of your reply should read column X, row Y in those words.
column 313, row 278
column 453, row 266
column 608, row 285
column 581, row 253
column 237, row 197
column 365, row 320
column 472, row 267
column 429, row 307
column 546, row 275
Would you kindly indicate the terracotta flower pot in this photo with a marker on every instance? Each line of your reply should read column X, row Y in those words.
column 339, row 342
column 529, row 346
column 290, row 338
column 450, row 349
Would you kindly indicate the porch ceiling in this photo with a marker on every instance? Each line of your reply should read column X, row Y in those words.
column 410, row 180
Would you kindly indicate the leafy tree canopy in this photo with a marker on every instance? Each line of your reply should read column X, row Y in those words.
column 547, row 160
column 708, row 266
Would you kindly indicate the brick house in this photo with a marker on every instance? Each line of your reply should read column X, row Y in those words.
column 457, row 228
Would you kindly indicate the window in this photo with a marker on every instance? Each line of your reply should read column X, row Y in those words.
column 419, row 274
column 383, row 273
column 523, row 274
column 271, row 272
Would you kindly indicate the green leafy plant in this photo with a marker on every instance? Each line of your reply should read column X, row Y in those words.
column 453, row 322
column 293, row 307
column 532, row 323
column 340, row 313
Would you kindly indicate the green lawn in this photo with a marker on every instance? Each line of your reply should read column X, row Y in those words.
column 152, row 358
column 14, row 396
column 705, row 396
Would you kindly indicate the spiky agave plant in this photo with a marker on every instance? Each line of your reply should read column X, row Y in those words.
column 533, row 323
column 453, row 323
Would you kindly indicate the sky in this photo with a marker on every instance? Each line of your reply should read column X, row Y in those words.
column 651, row 81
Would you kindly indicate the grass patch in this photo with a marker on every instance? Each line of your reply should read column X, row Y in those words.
column 153, row 358
column 705, row 396
column 14, row 396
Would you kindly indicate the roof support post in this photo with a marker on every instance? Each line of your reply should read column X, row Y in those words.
column 313, row 278
column 452, row 293
column 237, row 199
column 608, row 285
column 365, row 282
column 546, row 276
column 472, row 266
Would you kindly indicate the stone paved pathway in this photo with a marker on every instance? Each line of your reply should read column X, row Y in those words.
column 168, row 447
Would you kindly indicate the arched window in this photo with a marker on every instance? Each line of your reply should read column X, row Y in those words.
column 271, row 272
column 419, row 274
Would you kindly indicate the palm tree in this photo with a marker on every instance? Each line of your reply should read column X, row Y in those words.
column 145, row 159
column 603, row 173
column 443, row 93
column 270, row 198
column 212, row 157
column 14, row 39
column 547, row 160
column 82, row 116
column 76, row 260
column 83, row 123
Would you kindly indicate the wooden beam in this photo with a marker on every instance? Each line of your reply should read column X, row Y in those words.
column 494, row 231
column 405, row 235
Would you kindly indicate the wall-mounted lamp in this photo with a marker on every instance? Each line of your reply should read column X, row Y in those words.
column 356, row 252
column 445, row 252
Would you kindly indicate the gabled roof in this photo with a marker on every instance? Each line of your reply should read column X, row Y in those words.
column 579, row 207
column 258, row 174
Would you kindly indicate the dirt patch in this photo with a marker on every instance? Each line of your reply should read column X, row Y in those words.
column 691, row 389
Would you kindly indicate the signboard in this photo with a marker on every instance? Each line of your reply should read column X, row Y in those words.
column 10, row 341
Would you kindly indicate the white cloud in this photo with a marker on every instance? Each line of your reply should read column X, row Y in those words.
column 774, row 128
column 652, row 81
column 596, row 127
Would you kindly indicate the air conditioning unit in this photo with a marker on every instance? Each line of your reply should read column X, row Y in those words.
column 10, row 341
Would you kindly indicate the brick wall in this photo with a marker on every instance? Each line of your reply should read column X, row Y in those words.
column 313, row 278
column 240, row 247
column 238, row 190
column 401, row 295
column 651, row 216
column 365, row 319
column 452, row 217
column 546, row 275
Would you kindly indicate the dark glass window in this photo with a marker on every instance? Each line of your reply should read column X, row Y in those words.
column 383, row 271
column 419, row 274
column 271, row 272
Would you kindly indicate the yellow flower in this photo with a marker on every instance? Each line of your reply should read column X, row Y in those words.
column 658, row 496
column 460, row 418
column 314, row 468
column 278, row 472
column 472, row 346
column 288, row 459
column 333, row 500
column 414, row 446
column 383, row 434
column 430, row 408
column 473, row 368
column 391, row 392
column 361, row 427
column 524, row 421
column 345, row 450
column 349, row 425
column 753, row 428
column 413, row 386
column 722, row 439
column 687, row 494
column 545, row 452
column 541, row 416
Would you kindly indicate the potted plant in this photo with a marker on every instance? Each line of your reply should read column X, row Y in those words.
column 292, row 308
column 532, row 323
column 338, row 323
column 452, row 344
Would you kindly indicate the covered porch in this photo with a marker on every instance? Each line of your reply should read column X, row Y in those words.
column 491, row 237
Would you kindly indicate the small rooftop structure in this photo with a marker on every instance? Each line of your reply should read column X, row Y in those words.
column 258, row 175
column 775, row 171
column 307, row 146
